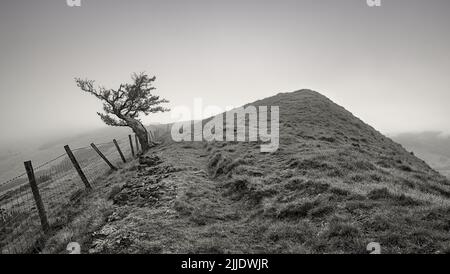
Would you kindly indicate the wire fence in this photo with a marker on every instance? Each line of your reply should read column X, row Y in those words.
column 59, row 184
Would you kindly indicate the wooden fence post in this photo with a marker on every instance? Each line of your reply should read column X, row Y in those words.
column 137, row 143
column 37, row 197
column 120, row 151
column 77, row 167
column 103, row 157
column 131, row 145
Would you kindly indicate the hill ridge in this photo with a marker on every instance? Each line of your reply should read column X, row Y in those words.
column 334, row 185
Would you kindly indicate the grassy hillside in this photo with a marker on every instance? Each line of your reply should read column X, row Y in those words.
column 334, row 185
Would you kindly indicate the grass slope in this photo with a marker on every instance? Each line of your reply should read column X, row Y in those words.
column 334, row 185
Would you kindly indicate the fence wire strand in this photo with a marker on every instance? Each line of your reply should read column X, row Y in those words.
column 59, row 185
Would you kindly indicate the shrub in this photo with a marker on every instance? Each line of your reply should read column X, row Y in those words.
column 237, row 186
column 310, row 187
column 405, row 168
column 308, row 164
column 386, row 162
column 378, row 223
column 364, row 165
column 339, row 191
column 299, row 232
column 384, row 194
column 295, row 183
column 339, row 229
column 242, row 187
column 358, row 178
column 379, row 193
column 322, row 210
column 296, row 211
column 404, row 200
column 328, row 139
column 343, row 237
column 220, row 164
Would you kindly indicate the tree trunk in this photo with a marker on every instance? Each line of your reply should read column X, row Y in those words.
column 140, row 131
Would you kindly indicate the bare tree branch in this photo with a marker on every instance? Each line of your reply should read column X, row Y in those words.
column 127, row 102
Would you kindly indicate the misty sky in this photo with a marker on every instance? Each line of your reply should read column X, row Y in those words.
column 389, row 65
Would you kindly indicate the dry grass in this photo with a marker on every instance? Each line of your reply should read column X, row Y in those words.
column 334, row 185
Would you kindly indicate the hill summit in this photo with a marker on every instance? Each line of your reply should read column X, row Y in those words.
column 334, row 185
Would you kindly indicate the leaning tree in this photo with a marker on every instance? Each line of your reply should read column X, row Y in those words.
column 126, row 103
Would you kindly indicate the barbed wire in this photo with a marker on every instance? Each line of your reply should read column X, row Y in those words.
column 12, row 179
column 42, row 165
column 59, row 184
column 80, row 148
column 52, row 160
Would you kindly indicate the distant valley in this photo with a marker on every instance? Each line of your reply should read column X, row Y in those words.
column 12, row 158
column 432, row 147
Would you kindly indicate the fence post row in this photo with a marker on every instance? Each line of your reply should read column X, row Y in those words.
column 131, row 145
column 34, row 187
column 77, row 167
column 120, row 151
column 103, row 156
column 37, row 197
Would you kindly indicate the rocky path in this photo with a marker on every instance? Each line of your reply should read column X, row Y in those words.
column 170, row 204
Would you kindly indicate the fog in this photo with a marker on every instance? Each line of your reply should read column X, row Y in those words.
column 387, row 65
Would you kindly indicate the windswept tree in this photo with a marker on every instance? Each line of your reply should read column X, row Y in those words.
column 123, row 106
